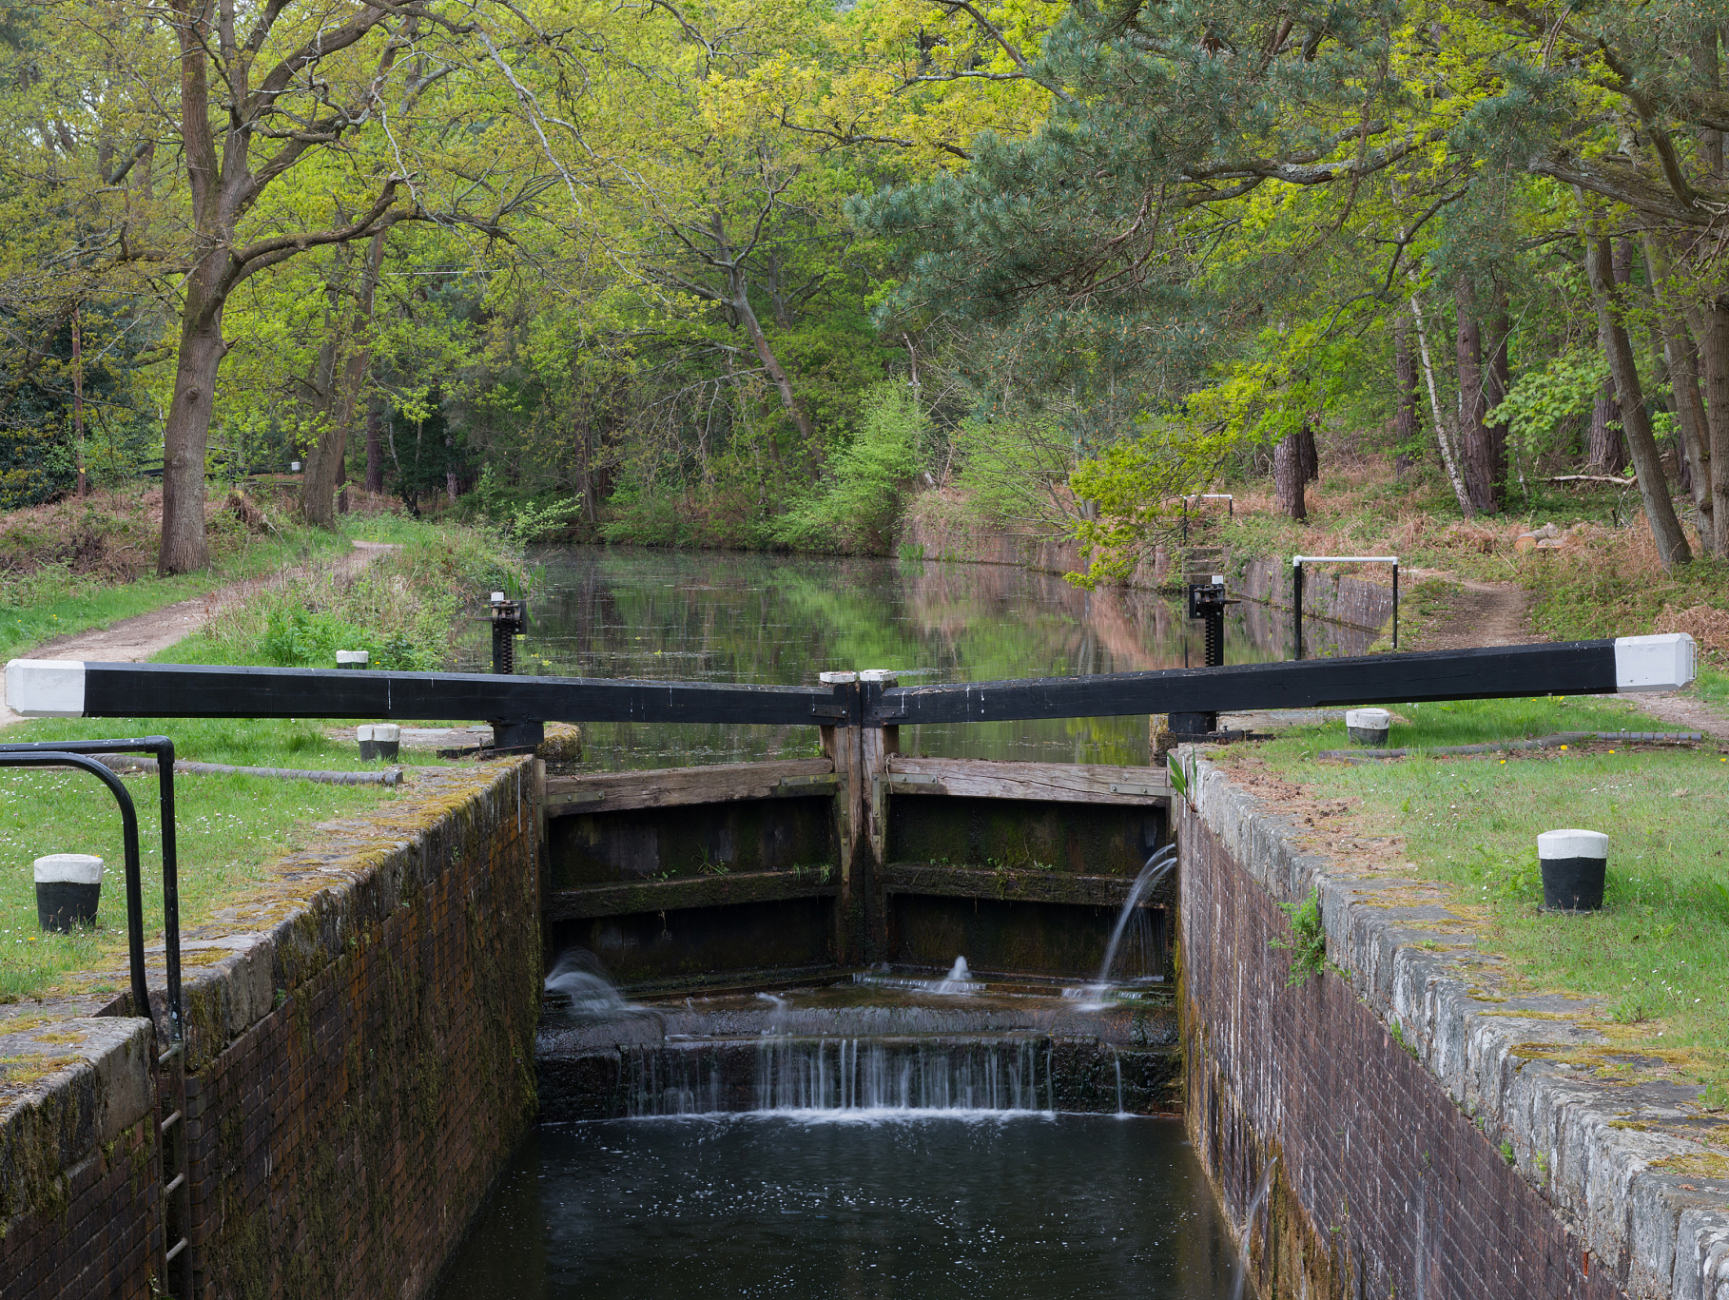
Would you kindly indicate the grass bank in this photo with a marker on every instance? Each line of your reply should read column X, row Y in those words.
column 1657, row 955
column 227, row 828
column 74, row 565
column 407, row 606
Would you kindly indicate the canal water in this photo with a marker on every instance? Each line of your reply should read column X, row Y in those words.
column 909, row 1207
column 853, row 1201
column 774, row 620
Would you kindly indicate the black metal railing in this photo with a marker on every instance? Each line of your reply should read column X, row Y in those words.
column 171, row 1061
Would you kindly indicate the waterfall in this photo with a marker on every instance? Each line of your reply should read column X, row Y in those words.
column 842, row 1075
column 1157, row 867
column 850, row 1074
column 1255, row 1204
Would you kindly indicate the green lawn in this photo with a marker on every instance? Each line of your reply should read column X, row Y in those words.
column 228, row 827
column 1658, row 953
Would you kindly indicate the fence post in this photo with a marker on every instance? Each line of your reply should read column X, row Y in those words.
column 1296, row 607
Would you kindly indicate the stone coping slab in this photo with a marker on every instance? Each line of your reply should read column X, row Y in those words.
column 1639, row 1170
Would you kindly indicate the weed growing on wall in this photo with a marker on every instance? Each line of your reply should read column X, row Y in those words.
column 1308, row 946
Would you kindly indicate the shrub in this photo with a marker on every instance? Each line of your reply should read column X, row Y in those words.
column 857, row 509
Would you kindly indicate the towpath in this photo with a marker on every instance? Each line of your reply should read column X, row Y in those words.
column 131, row 640
column 1499, row 613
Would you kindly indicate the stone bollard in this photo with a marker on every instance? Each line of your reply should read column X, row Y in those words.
column 68, row 890
column 1574, row 864
column 378, row 740
column 353, row 658
column 1368, row 726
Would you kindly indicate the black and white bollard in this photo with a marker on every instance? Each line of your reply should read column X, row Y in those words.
column 68, row 890
column 379, row 740
column 1573, row 863
column 1368, row 726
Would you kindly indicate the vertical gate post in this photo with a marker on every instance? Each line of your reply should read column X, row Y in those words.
column 860, row 755
column 1296, row 607
column 877, row 744
column 840, row 745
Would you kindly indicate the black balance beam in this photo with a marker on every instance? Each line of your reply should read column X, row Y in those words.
column 1640, row 663
column 58, row 688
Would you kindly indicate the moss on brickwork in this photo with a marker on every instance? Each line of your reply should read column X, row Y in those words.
column 1704, row 1164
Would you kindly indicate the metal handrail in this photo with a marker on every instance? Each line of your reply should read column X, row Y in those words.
column 76, row 753
column 1205, row 496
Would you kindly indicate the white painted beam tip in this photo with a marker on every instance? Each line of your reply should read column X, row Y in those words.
column 1653, row 663
column 45, row 688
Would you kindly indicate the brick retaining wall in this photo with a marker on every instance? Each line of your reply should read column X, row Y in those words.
column 1423, row 1145
column 360, row 1047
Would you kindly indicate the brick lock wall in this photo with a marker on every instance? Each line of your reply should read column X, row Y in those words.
column 342, row 1143
column 1382, row 1186
column 103, row 1240
column 357, row 1078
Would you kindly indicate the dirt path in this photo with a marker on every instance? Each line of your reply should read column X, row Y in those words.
column 133, row 639
column 1499, row 613
column 1483, row 613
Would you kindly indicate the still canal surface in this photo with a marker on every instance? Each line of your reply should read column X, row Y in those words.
column 771, row 620
column 924, row 1205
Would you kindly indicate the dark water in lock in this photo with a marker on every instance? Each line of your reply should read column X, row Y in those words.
column 776, row 620
column 1037, row 1207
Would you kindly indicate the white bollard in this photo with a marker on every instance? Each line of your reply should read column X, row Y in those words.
column 1368, row 726
column 1575, row 864
column 378, row 740
column 353, row 658
column 68, row 890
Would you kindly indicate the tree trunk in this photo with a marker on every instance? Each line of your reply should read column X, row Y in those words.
column 1712, row 331
column 374, row 449
column 1309, row 455
column 1706, row 71
column 187, row 429
column 1478, row 461
column 78, row 403
column 1606, row 450
column 1497, row 383
column 1288, row 477
column 776, row 372
column 1405, row 418
column 326, row 459
column 1672, row 546
column 1448, row 460
column 1683, row 362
